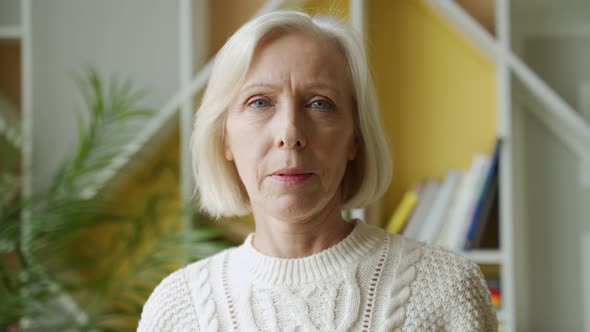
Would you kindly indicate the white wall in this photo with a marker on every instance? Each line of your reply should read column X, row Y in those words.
column 563, row 62
column 558, row 223
column 9, row 12
column 135, row 39
column 556, row 201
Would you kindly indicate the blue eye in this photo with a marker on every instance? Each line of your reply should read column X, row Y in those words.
column 259, row 103
column 321, row 104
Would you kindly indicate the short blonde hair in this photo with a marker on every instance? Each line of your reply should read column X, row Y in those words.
column 221, row 192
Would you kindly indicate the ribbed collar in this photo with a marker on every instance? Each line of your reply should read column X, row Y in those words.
column 292, row 271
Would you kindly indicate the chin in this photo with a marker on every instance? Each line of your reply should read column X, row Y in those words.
column 296, row 208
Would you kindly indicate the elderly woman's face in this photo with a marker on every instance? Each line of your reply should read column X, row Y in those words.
column 291, row 131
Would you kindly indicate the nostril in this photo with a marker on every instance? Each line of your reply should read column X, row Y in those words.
column 298, row 144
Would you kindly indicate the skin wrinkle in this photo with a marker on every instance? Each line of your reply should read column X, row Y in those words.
column 295, row 109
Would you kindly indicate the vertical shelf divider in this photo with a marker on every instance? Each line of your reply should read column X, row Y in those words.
column 506, row 166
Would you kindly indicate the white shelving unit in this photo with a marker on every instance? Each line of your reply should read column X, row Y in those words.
column 525, row 307
column 10, row 32
column 482, row 256
column 550, row 281
column 15, row 28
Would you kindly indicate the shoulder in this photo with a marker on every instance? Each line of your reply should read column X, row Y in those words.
column 448, row 271
column 169, row 307
column 172, row 306
column 446, row 283
column 432, row 260
column 439, row 261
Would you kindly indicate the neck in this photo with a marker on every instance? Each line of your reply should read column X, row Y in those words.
column 292, row 239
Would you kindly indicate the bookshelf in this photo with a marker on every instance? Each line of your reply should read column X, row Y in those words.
column 539, row 52
column 14, row 50
column 443, row 100
column 10, row 53
column 15, row 81
column 485, row 256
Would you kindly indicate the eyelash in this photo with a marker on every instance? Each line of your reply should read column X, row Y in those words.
column 329, row 105
column 250, row 103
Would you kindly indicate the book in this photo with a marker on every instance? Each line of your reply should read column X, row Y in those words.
column 403, row 212
column 495, row 291
column 474, row 238
column 483, row 204
column 425, row 200
column 489, row 237
column 459, row 218
column 435, row 217
column 448, row 221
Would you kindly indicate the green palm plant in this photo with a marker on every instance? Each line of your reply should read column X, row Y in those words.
column 54, row 275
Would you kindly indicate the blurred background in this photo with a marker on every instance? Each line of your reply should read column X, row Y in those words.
column 486, row 104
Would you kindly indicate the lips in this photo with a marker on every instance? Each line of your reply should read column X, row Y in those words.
column 291, row 175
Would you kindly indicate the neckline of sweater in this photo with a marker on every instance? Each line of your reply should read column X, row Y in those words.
column 318, row 266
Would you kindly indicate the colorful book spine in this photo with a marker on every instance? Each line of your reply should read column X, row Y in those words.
column 483, row 203
column 402, row 213
column 455, row 236
column 495, row 291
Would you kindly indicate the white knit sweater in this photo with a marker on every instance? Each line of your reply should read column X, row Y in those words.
column 370, row 281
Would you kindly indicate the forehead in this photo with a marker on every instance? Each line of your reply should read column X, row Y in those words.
column 297, row 56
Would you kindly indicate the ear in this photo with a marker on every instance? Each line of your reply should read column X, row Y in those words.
column 229, row 156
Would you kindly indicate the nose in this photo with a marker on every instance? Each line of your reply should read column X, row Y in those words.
column 291, row 128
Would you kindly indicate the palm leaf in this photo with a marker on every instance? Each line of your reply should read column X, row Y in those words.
column 46, row 290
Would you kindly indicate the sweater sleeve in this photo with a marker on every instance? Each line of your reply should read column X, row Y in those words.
column 447, row 292
column 472, row 309
column 169, row 307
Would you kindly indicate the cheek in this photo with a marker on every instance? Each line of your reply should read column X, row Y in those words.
column 333, row 152
column 246, row 165
column 246, row 146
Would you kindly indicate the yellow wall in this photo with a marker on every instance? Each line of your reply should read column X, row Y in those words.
column 226, row 16
column 435, row 90
column 338, row 8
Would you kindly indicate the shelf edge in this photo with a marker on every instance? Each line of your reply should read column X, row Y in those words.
column 484, row 256
column 10, row 32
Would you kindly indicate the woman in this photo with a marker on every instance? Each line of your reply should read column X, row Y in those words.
column 288, row 129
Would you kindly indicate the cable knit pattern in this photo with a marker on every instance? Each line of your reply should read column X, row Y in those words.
column 169, row 307
column 400, row 292
column 369, row 281
column 202, row 296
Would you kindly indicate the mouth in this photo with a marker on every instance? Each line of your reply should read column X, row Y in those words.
column 291, row 175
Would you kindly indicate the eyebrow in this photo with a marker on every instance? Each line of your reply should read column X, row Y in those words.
column 315, row 85
column 253, row 86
